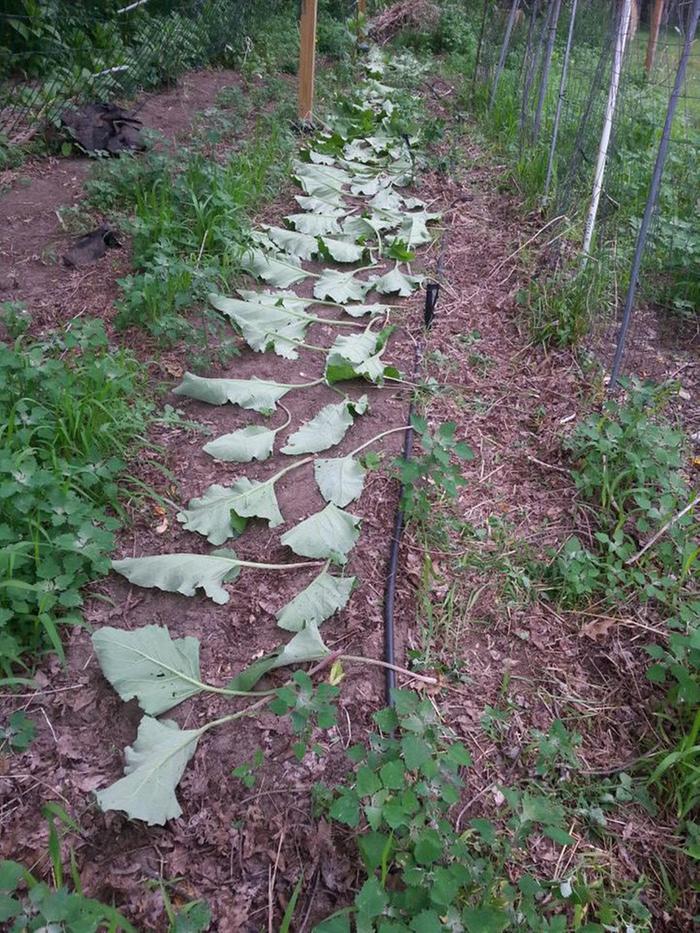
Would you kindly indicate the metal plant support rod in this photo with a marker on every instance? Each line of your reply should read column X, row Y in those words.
column 504, row 51
column 654, row 186
column 546, row 65
column 616, row 72
column 560, row 99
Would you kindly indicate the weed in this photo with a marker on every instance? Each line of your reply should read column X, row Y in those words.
column 629, row 466
column 435, row 468
column 26, row 903
column 423, row 874
column 15, row 318
column 71, row 420
column 18, row 733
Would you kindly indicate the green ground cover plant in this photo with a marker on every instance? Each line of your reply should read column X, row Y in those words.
column 72, row 420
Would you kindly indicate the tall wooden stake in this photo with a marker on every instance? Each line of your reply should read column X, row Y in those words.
column 654, row 27
column 307, row 59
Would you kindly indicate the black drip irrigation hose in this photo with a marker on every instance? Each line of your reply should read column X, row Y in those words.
column 431, row 298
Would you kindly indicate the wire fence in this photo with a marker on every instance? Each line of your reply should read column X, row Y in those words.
column 56, row 53
column 580, row 91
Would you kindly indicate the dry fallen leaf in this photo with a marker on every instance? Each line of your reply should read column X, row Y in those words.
column 598, row 628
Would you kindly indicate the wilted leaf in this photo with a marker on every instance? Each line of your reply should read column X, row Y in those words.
column 255, row 394
column 148, row 664
column 326, row 429
column 281, row 270
column 397, row 282
column 154, row 766
column 252, row 443
column 317, row 602
column 330, row 534
column 215, row 514
column 342, row 250
column 183, row 573
column 341, row 287
column 340, row 479
column 294, row 242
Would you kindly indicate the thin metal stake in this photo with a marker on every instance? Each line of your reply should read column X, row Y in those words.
column 652, row 197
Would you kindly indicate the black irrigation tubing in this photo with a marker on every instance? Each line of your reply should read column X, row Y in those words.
column 432, row 294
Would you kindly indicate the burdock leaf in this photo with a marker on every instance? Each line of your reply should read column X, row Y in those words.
column 397, row 282
column 183, row 573
column 214, row 514
column 148, row 664
column 340, row 287
column 326, row 429
column 330, row 533
column 252, row 443
column 265, row 325
column 319, row 601
column 281, row 270
column 314, row 224
column 294, row 243
column 340, row 479
column 342, row 250
column 154, row 766
column 255, row 394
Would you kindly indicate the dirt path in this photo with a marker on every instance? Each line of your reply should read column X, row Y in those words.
column 34, row 236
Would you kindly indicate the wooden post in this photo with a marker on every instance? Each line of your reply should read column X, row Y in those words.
column 654, row 27
column 362, row 7
column 307, row 59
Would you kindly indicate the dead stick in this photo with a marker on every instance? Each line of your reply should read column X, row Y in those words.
column 526, row 243
column 662, row 531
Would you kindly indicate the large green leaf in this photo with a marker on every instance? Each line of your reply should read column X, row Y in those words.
column 318, row 179
column 340, row 479
column 252, row 443
column 281, row 270
column 265, row 325
column 331, row 203
column 183, row 573
column 342, row 250
column 307, row 645
column 359, row 355
column 314, row 224
column 317, row 602
column 154, row 766
column 325, row 429
column 148, row 664
column 255, row 394
column 294, row 242
column 340, row 287
column 396, row 281
column 217, row 513
column 330, row 533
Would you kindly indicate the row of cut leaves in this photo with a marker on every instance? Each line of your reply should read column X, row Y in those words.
column 351, row 213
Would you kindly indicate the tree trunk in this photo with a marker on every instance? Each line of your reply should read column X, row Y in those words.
column 654, row 27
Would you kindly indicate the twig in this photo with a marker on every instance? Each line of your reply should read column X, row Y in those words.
column 549, row 466
column 669, row 524
column 526, row 243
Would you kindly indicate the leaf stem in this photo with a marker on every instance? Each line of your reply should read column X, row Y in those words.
column 376, row 438
column 294, row 566
column 393, row 667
